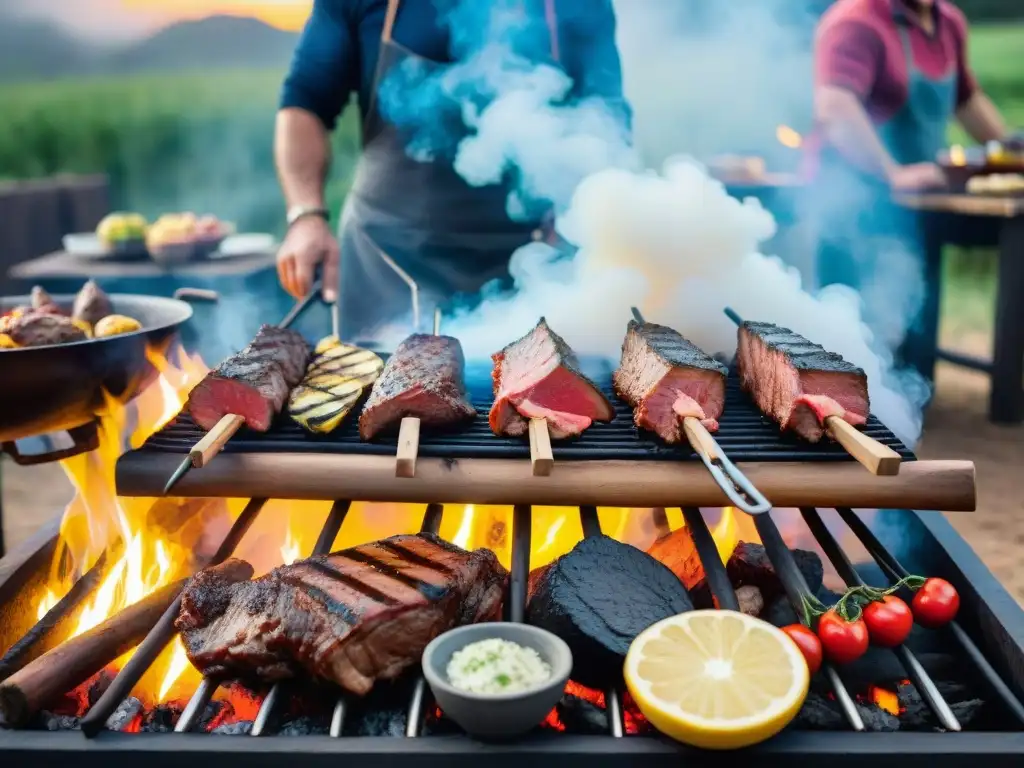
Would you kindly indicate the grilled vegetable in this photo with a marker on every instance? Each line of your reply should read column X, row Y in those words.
column 6, row 342
column 114, row 325
column 334, row 382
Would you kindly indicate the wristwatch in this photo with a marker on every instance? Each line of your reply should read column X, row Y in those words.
column 297, row 212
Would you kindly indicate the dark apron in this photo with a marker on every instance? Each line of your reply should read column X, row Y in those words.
column 860, row 226
column 414, row 234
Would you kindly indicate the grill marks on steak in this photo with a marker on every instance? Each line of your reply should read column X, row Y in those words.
column 423, row 378
column 353, row 617
column 253, row 383
column 665, row 379
column 798, row 383
column 538, row 376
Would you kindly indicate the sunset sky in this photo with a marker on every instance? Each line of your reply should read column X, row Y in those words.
column 120, row 19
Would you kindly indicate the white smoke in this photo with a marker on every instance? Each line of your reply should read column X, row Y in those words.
column 673, row 243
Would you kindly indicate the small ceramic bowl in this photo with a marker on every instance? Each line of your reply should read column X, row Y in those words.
column 498, row 716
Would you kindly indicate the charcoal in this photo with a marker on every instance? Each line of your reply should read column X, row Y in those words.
column 241, row 728
column 916, row 715
column 51, row 722
column 749, row 564
column 210, row 713
column 882, row 667
column 780, row 613
column 305, row 726
column 125, row 714
column 580, row 716
column 821, row 713
column 598, row 598
column 161, row 719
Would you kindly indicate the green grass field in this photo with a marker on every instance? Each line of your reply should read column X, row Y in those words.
column 204, row 142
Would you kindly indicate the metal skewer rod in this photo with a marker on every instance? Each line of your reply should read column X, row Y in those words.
column 214, row 441
column 797, row 590
column 895, row 571
column 161, row 634
column 921, row 679
column 324, row 541
column 591, row 525
column 741, row 493
column 877, row 458
column 418, row 702
column 409, row 430
column 707, row 551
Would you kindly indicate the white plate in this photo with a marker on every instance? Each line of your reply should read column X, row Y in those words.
column 85, row 244
column 246, row 245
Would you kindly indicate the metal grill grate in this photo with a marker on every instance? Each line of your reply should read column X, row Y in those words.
column 744, row 434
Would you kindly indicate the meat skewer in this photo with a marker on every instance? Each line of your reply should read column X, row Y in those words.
column 540, row 389
column 810, row 391
column 258, row 379
column 678, row 391
column 422, row 384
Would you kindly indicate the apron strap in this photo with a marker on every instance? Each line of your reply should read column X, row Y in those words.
column 389, row 20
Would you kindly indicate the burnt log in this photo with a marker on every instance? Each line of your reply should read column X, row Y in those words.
column 580, row 716
column 916, row 715
column 70, row 664
column 821, row 713
column 598, row 598
column 749, row 564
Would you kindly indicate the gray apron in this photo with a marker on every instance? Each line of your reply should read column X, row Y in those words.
column 413, row 234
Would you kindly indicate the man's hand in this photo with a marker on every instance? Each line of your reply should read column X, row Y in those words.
column 309, row 243
column 916, row 177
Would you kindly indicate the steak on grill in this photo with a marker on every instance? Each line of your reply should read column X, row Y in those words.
column 798, row 383
column 353, row 617
column 598, row 598
column 423, row 378
column 666, row 379
column 539, row 377
column 253, row 383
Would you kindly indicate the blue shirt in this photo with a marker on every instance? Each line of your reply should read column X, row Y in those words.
column 337, row 52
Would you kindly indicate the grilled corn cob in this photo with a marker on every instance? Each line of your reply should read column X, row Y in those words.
column 334, row 382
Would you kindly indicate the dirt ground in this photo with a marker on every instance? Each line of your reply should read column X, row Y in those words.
column 956, row 427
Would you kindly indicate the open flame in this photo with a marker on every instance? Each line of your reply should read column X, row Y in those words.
column 788, row 137
column 885, row 699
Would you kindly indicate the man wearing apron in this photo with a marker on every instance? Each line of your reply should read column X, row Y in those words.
column 409, row 221
column 890, row 76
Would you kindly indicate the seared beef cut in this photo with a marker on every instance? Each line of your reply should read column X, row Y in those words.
column 539, row 377
column 37, row 328
column 91, row 304
column 424, row 378
column 798, row 383
column 665, row 379
column 598, row 598
column 253, row 383
column 353, row 617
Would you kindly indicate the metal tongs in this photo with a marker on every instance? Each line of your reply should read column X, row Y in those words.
column 734, row 484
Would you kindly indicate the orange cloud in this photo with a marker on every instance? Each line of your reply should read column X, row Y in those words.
column 280, row 13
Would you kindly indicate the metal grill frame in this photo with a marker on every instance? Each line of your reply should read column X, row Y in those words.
column 988, row 606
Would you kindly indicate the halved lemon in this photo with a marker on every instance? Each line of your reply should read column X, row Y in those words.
column 716, row 679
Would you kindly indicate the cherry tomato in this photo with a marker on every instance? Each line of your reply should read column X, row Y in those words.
column 842, row 641
column 808, row 643
column 889, row 621
column 935, row 603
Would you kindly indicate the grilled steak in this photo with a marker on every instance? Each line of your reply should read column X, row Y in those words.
column 91, row 304
column 798, row 383
column 353, row 617
column 665, row 379
column 423, row 378
column 37, row 328
column 539, row 377
column 253, row 383
column 598, row 598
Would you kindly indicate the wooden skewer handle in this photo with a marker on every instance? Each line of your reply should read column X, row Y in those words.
column 541, row 457
column 876, row 458
column 214, row 440
column 700, row 439
column 408, row 447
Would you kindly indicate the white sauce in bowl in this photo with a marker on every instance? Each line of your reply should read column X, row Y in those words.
column 497, row 666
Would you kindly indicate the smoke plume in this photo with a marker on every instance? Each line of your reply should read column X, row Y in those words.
column 672, row 242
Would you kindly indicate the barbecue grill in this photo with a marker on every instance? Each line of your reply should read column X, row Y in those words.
column 986, row 649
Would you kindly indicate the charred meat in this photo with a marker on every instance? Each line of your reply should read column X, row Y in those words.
column 539, row 377
column 666, row 379
column 423, row 378
column 43, row 302
column 91, row 304
column 253, row 383
column 798, row 383
column 598, row 598
column 39, row 328
column 333, row 384
column 353, row 617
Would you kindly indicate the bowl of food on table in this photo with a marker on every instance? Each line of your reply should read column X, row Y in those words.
column 497, row 679
column 178, row 238
column 963, row 165
column 118, row 235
